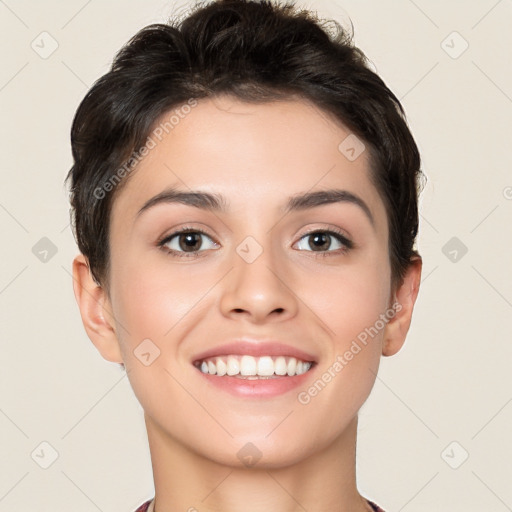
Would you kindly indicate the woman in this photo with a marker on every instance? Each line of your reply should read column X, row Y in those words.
column 244, row 195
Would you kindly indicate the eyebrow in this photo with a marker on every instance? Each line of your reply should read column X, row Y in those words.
column 218, row 203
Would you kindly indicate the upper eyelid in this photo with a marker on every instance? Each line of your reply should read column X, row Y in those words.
column 329, row 229
column 181, row 231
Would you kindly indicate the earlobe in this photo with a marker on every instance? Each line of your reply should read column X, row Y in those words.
column 95, row 311
column 405, row 297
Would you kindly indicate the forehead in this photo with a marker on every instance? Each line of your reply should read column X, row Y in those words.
column 256, row 155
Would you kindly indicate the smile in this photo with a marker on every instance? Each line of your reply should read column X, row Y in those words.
column 249, row 367
column 255, row 377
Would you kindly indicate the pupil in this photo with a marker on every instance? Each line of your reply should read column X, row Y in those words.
column 189, row 242
column 323, row 238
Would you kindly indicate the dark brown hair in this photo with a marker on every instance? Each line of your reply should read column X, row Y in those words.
column 257, row 51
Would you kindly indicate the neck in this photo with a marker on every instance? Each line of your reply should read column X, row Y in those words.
column 187, row 481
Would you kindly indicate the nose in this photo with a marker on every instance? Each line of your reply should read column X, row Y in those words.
column 261, row 290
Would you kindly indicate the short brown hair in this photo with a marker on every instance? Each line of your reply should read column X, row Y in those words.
column 257, row 51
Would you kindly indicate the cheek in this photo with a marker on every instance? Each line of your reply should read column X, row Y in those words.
column 150, row 303
column 160, row 300
column 351, row 300
column 350, row 305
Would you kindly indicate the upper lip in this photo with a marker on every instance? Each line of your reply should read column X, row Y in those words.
column 256, row 348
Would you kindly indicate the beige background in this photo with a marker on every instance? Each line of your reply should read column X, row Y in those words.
column 450, row 383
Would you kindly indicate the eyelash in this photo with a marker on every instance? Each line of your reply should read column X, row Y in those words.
column 337, row 234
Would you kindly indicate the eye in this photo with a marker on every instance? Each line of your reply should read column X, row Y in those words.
column 321, row 240
column 186, row 242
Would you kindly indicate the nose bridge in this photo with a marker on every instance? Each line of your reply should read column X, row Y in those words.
column 257, row 283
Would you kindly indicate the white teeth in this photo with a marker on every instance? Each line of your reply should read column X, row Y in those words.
column 292, row 366
column 280, row 366
column 254, row 367
column 265, row 366
column 212, row 368
column 248, row 365
column 232, row 366
column 221, row 367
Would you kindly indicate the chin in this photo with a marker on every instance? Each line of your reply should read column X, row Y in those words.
column 259, row 452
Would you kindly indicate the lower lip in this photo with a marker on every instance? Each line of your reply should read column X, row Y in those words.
column 257, row 388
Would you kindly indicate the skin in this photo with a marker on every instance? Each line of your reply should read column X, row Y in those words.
column 256, row 155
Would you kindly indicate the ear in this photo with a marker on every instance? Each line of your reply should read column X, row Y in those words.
column 95, row 310
column 404, row 299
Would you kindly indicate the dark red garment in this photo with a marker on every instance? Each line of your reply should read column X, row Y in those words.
column 374, row 506
column 144, row 506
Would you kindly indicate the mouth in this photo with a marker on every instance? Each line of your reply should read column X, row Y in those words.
column 253, row 368
column 249, row 377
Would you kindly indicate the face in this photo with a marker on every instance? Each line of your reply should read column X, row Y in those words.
column 312, row 276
